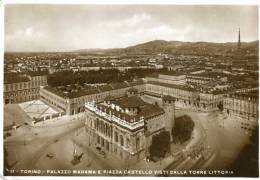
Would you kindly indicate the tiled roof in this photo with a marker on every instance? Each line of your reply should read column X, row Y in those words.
column 73, row 94
column 146, row 111
column 168, row 98
column 172, row 73
column 74, row 91
column 37, row 73
column 130, row 102
column 109, row 98
column 132, row 90
column 119, row 85
column 181, row 87
column 105, row 88
column 10, row 78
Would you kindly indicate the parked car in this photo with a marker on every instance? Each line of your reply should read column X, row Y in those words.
column 50, row 155
column 98, row 148
column 102, row 153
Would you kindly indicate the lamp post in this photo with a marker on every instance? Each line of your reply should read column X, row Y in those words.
column 24, row 140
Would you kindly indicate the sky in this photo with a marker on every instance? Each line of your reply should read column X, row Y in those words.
column 71, row 27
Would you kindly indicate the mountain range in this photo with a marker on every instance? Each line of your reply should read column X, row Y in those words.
column 179, row 47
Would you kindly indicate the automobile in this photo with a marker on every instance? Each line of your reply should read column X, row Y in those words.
column 152, row 159
column 8, row 134
column 102, row 153
column 98, row 148
column 50, row 155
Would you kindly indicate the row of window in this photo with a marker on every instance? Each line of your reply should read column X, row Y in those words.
column 250, row 108
column 100, row 96
column 19, row 99
column 24, row 85
column 21, row 93
column 53, row 99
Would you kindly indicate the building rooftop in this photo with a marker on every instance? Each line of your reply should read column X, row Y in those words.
column 153, row 75
column 181, row 87
column 168, row 98
column 209, row 75
column 37, row 73
column 130, row 102
column 105, row 88
column 10, row 78
column 76, row 90
column 132, row 90
column 109, row 98
column 119, row 85
column 172, row 73
column 69, row 92
column 145, row 110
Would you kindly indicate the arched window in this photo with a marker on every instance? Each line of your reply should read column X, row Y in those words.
column 121, row 140
column 116, row 136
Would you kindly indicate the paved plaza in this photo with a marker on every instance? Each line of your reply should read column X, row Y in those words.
column 14, row 114
column 30, row 146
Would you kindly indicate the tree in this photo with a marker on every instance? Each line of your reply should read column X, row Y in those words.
column 182, row 129
column 101, row 76
column 220, row 106
column 247, row 162
column 160, row 144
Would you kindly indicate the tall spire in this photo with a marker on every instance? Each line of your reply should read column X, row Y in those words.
column 239, row 42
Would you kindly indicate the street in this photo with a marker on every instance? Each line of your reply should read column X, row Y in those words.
column 51, row 146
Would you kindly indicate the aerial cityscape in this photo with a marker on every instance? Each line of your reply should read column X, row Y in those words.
column 172, row 107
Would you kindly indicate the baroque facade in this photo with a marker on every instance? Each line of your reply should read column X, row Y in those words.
column 124, row 127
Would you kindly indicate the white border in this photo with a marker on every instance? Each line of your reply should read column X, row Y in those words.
column 180, row 2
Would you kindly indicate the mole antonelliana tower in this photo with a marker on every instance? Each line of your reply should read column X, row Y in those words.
column 239, row 42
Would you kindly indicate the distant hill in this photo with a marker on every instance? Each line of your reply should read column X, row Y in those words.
column 178, row 47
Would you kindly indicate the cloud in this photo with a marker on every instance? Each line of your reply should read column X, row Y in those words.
column 137, row 19
column 26, row 39
column 130, row 22
column 60, row 27
column 28, row 31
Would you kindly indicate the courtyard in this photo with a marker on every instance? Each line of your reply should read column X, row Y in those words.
column 37, row 109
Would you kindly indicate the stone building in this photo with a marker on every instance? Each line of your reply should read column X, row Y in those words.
column 21, row 87
column 72, row 98
column 123, row 128
column 186, row 96
column 243, row 108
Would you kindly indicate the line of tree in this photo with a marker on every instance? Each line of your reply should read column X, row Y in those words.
column 101, row 76
column 182, row 129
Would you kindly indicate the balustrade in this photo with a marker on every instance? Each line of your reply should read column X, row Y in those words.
column 118, row 120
